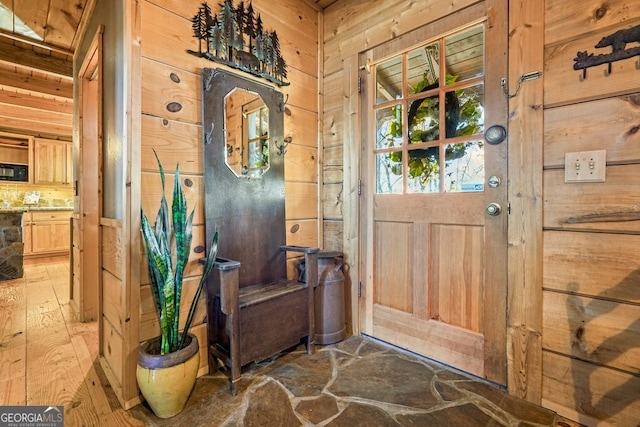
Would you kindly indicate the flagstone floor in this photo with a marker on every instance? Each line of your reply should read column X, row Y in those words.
column 358, row 382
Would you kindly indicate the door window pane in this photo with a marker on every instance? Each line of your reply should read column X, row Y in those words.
column 423, row 69
column 424, row 170
column 464, row 54
column 389, row 173
column 429, row 131
column 389, row 127
column 465, row 111
column 423, row 118
column 389, row 80
column 464, row 167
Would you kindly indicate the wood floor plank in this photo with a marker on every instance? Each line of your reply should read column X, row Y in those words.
column 88, row 361
column 13, row 392
column 12, row 314
column 13, row 362
column 48, row 325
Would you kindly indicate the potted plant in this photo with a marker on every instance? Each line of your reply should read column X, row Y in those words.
column 168, row 365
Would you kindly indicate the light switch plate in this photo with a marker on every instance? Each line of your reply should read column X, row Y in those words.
column 585, row 166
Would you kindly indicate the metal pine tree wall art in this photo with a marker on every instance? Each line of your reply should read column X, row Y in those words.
column 235, row 37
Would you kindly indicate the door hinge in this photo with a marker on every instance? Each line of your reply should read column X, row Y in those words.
column 359, row 187
column 359, row 84
column 508, row 208
column 359, row 289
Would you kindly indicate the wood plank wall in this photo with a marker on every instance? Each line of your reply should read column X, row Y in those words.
column 171, row 75
column 573, row 281
column 591, row 254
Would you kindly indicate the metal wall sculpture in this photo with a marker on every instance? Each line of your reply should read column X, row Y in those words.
column 236, row 38
column 618, row 42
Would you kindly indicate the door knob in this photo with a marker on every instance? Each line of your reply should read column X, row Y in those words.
column 494, row 209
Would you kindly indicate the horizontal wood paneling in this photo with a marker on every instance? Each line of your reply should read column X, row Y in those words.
column 332, row 201
column 153, row 192
column 112, row 301
column 112, row 246
column 610, row 124
column 302, row 126
column 333, row 235
column 299, row 40
column 332, row 91
column 301, row 164
column 563, row 84
column 172, row 140
column 332, row 175
column 302, row 200
column 302, row 233
column 149, row 324
column 158, row 91
column 590, row 394
column 564, row 21
column 303, row 91
column 193, row 268
column 601, row 332
column 357, row 26
column 609, row 206
column 112, row 352
column 598, row 264
column 333, row 127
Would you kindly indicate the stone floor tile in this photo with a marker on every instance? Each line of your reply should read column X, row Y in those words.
column 269, row 405
column 318, row 409
column 466, row 415
column 519, row 408
column 357, row 415
column 386, row 379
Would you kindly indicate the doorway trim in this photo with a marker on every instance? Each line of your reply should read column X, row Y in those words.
column 89, row 192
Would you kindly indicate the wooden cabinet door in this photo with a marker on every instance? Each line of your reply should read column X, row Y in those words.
column 50, row 237
column 26, row 239
column 51, row 162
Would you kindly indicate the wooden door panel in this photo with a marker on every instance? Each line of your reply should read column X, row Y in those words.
column 392, row 271
column 456, row 291
column 459, row 347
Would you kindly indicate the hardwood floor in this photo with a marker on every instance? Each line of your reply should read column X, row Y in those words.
column 47, row 357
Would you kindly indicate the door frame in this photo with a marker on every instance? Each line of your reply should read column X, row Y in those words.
column 354, row 68
column 88, row 183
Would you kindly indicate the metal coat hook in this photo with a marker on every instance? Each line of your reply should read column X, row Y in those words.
column 618, row 42
column 282, row 148
column 283, row 103
column 523, row 78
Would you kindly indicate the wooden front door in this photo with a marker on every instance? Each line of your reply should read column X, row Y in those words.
column 434, row 209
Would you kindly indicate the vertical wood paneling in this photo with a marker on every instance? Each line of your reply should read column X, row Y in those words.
column 526, row 32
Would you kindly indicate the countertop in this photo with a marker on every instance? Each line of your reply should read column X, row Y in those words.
column 35, row 208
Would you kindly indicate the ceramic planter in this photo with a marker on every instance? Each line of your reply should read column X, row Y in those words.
column 166, row 380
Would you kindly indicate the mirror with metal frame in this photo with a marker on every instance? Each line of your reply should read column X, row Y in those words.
column 243, row 127
column 246, row 125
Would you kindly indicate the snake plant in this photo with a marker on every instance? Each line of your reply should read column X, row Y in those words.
column 168, row 253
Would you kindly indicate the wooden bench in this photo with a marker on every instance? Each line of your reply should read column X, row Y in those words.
column 253, row 323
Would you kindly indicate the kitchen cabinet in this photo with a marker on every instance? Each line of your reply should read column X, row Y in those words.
column 46, row 233
column 52, row 162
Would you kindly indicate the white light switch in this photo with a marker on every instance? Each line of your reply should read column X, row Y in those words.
column 585, row 166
